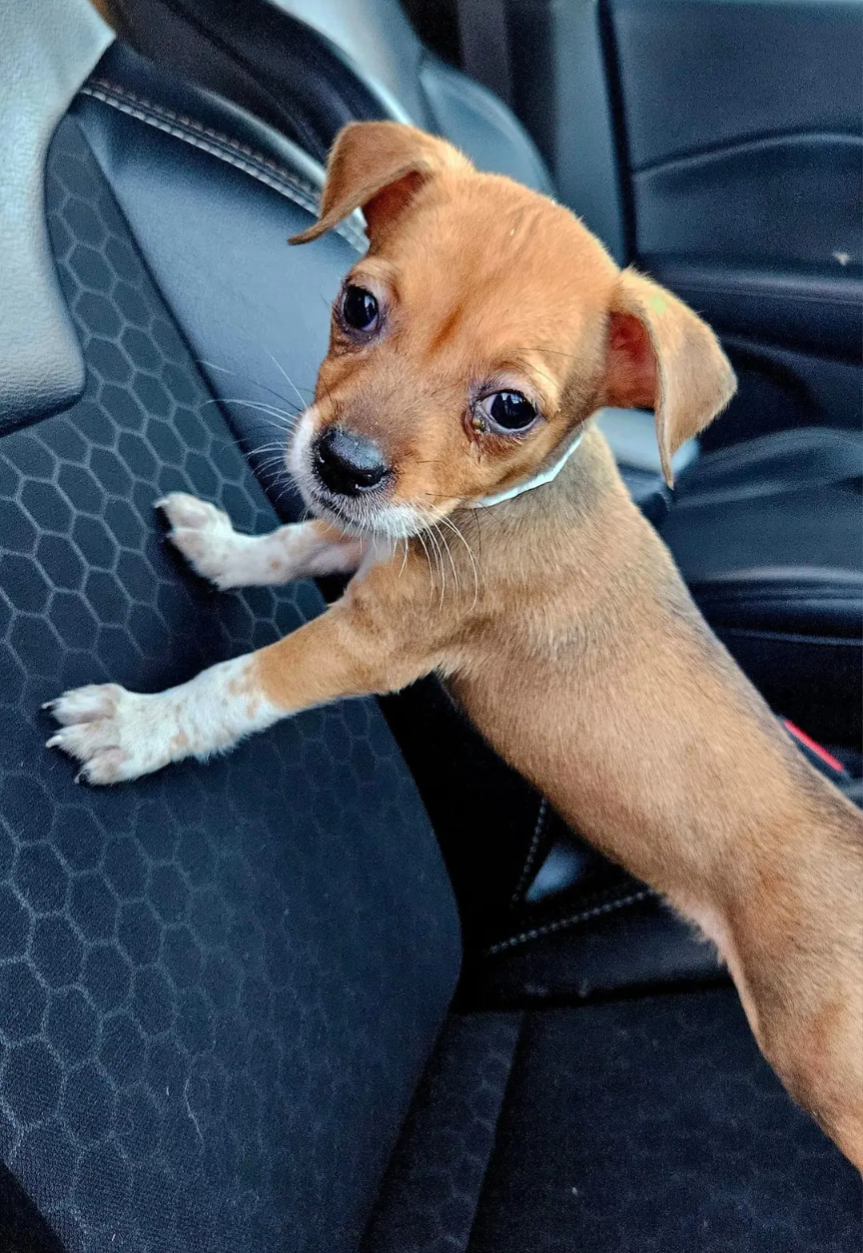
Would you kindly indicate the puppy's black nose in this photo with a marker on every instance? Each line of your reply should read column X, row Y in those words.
column 348, row 464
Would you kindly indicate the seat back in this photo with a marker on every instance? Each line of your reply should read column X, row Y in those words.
column 310, row 66
column 218, row 985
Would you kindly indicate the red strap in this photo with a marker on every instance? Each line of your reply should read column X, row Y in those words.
column 817, row 749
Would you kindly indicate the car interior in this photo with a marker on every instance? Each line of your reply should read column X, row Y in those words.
column 356, row 988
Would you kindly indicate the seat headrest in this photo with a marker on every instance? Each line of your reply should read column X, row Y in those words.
column 47, row 50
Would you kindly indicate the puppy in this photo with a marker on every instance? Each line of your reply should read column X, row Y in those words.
column 451, row 464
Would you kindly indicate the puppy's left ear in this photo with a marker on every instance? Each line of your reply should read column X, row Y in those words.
column 661, row 356
column 378, row 167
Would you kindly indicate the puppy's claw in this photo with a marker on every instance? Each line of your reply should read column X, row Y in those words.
column 104, row 768
column 114, row 734
column 183, row 510
column 206, row 538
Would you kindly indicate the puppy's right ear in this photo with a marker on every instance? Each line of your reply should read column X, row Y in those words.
column 378, row 167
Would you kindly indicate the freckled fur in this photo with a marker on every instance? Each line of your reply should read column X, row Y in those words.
column 566, row 631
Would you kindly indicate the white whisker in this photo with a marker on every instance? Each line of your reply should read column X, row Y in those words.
column 448, row 551
column 237, row 374
column 286, row 416
column 435, row 541
column 289, row 381
column 452, row 526
column 275, row 448
column 271, row 458
column 421, row 538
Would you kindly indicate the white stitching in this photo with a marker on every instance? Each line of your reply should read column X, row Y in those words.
column 214, row 142
column 192, row 124
column 531, row 852
column 549, row 928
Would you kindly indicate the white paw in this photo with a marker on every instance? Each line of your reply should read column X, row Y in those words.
column 115, row 734
column 205, row 537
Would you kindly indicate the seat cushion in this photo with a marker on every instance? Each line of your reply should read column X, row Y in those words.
column 641, row 1126
column 767, row 535
column 435, row 1176
column 219, row 984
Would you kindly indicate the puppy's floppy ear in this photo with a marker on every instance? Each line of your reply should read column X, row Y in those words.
column 378, row 167
column 661, row 356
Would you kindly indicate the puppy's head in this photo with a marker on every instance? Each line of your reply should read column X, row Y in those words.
column 484, row 325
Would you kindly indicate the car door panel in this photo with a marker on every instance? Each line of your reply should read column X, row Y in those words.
column 739, row 175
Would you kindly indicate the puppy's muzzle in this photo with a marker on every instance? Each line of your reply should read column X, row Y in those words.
column 347, row 464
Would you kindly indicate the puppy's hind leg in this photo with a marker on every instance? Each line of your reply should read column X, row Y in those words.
column 208, row 541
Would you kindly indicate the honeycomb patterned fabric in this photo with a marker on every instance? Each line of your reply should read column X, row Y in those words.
column 430, row 1192
column 218, row 985
column 652, row 1126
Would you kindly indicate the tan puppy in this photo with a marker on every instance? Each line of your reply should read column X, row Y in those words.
column 103, row 8
column 469, row 348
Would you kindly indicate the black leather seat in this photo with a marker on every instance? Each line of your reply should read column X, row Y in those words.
column 308, row 68
column 769, row 534
column 226, row 1016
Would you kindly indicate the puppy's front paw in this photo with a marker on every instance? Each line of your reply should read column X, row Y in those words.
column 205, row 537
column 115, row 734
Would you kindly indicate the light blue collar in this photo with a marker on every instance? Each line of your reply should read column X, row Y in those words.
column 539, row 480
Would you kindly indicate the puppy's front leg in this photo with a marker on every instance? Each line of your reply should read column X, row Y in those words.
column 119, row 735
column 208, row 541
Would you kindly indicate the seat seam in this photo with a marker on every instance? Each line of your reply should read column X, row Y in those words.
column 705, row 497
column 744, row 597
column 192, row 124
column 560, row 924
column 224, row 147
column 798, row 636
column 764, row 293
column 738, row 587
column 795, row 439
column 214, row 40
column 538, row 828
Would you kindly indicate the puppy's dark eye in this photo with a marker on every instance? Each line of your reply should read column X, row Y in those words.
column 508, row 411
column 359, row 308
